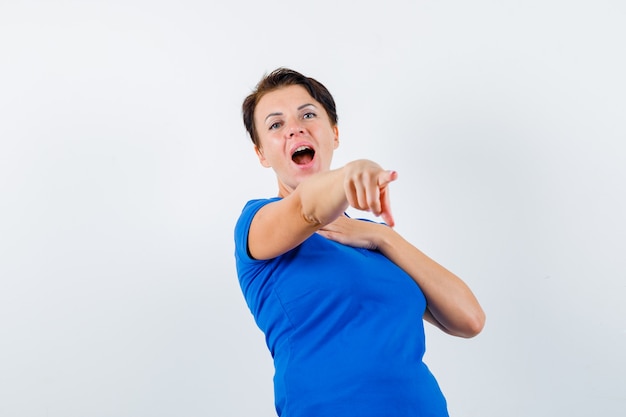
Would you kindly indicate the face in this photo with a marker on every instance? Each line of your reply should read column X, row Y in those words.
column 296, row 136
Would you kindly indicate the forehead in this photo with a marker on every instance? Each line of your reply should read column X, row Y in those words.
column 283, row 99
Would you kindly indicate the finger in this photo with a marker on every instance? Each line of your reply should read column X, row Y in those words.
column 384, row 180
column 386, row 208
column 386, row 177
column 361, row 194
column 335, row 235
column 372, row 188
column 326, row 233
column 329, row 228
column 373, row 200
column 354, row 194
column 351, row 194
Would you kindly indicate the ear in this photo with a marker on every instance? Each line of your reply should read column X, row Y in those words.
column 259, row 154
column 336, row 140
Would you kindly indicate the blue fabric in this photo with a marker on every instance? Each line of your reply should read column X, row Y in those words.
column 344, row 326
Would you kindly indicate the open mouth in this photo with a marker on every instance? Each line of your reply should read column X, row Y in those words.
column 303, row 155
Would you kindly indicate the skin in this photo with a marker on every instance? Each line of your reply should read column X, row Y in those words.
column 315, row 198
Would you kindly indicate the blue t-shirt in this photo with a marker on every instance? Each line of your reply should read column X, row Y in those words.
column 344, row 326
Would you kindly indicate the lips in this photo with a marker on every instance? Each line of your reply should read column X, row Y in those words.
column 303, row 154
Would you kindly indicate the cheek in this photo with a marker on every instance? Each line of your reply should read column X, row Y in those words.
column 267, row 142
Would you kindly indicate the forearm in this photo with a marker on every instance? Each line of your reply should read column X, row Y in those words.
column 316, row 202
column 450, row 301
column 322, row 197
column 361, row 184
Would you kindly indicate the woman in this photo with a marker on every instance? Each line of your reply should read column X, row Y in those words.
column 340, row 300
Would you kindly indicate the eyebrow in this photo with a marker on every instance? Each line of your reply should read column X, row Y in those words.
column 280, row 114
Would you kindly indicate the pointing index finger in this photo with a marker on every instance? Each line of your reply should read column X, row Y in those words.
column 385, row 202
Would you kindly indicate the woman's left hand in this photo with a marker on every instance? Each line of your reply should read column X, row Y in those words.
column 352, row 232
column 451, row 304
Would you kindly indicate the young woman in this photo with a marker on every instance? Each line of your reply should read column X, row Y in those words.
column 341, row 301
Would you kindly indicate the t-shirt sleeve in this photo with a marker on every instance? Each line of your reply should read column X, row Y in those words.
column 243, row 227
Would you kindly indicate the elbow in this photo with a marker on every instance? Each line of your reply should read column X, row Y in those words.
column 474, row 324
column 466, row 325
column 314, row 214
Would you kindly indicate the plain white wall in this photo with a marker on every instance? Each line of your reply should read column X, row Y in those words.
column 124, row 165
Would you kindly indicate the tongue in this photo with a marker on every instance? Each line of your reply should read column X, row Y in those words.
column 303, row 158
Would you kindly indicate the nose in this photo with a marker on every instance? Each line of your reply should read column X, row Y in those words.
column 293, row 132
column 295, row 128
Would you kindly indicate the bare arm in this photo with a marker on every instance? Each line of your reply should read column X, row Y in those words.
column 316, row 202
column 451, row 305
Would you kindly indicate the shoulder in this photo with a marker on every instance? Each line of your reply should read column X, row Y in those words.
column 242, row 227
column 252, row 206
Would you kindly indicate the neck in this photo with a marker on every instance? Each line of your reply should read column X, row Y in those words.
column 283, row 189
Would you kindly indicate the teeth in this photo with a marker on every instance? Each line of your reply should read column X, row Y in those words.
column 301, row 148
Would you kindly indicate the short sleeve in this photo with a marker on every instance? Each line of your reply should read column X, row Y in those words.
column 243, row 227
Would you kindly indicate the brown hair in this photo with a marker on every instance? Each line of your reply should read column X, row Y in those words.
column 283, row 77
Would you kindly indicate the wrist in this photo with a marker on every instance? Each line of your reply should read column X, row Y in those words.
column 384, row 238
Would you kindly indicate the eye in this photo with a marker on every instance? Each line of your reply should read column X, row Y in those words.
column 274, row 126
column 309, row 115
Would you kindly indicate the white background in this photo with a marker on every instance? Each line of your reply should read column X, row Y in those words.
column 124, row 165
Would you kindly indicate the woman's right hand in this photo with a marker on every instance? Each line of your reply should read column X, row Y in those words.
column 366, row 188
